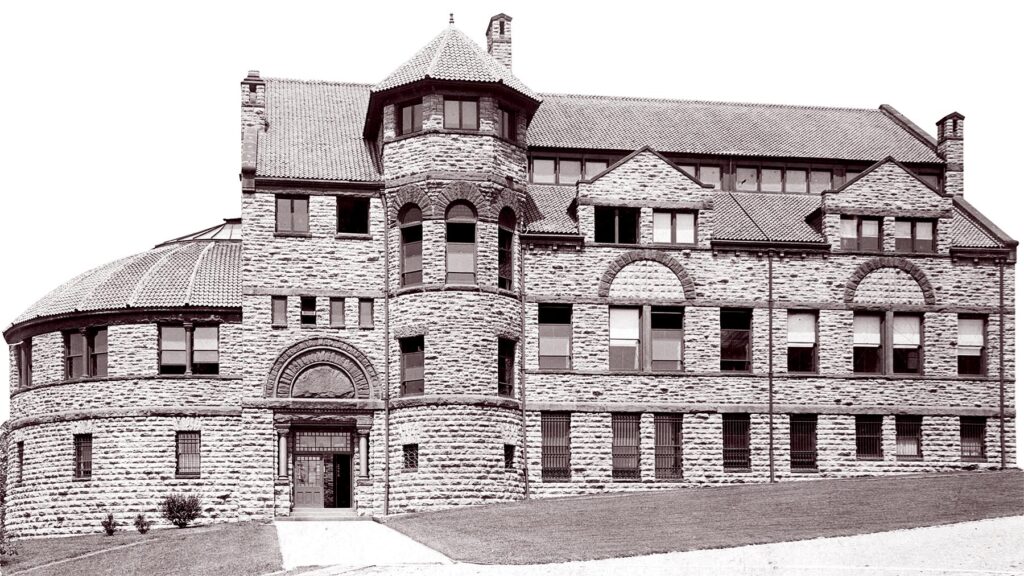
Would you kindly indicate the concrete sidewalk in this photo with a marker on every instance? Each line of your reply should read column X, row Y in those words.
column 348, row 546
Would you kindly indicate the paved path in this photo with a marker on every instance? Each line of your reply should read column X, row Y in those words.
column 970, row 548
column 350, row 545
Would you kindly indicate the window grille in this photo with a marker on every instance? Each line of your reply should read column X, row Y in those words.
column 188, row 451
column 668, row 446
column 908, row 437
column 972, row 438
column 555, row 452
column 736, row 441
column 803, row 442
column 410, row 457
column 869, row 437
column 626, row 446
column 83, row 456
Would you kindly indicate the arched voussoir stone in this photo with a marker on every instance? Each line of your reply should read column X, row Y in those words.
column 866, row 268
column 303, row 356
column 630, row 257
column 409, row 194
column 462, row 191
column 505, row 198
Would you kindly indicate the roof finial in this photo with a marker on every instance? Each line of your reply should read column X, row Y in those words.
column 451, row 17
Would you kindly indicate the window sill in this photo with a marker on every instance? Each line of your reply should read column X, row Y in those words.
column 673, row 246
column 975, row 460
column 352, row 236
column 910, row 458
column 404, row 470
column 555, row 480
column 292, row 235
column 737, row 470
column 802, row 373
column 625, row 480
column 307, row 326
column 279, row 326
column 81, row 479
column 337, row 326
column 804, row 471
column 361, row 327
column 187, row 476
column 870, row 458
column 669, row 479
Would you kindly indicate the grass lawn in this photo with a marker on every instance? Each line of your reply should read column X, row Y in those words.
column 608, row 526
column 221, row 550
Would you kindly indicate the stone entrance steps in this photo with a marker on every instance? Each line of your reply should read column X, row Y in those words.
column 321, row 515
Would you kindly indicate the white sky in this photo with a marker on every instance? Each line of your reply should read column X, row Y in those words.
column 121, row 121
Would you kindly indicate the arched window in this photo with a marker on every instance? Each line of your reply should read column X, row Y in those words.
column 506, row 228
column 461, row 237
column 410, row 226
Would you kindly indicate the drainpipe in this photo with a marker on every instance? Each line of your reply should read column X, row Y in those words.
column 1002, row 364
column 771, row 371
column 522, row 355
column 387, row 350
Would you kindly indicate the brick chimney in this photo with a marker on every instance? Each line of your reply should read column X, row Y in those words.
column 254, row 107
column 951, row 149
column 499, row 39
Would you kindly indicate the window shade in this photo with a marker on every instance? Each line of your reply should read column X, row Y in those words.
column 624, row 323
column 906, row 332
column 867, row 331
column 801, row 329
column 971, row 337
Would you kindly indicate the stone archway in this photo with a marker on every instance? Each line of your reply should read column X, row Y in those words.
column 906, row 272
column 322, row 368
column 624, row 260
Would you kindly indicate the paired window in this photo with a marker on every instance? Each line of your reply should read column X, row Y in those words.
column 24, row 358
column 410, row 457
column 860, row 233
column 970, row 353
column 972, row 438
column 410, row 118
column 675, row 227
column 736, row 441
column 461, row 114
column 868, row 437
column 83, row 456
column 735, row 340
column 506, row 366
column 279, row 311
column 189, row 350
column 461, row 238
column 906, row 349
column 755, row 179
column 627, row 339
column 867, row 343
column 410, row 227
column 366, row 313
column 187, row 450
column 906, row 344
column 908, row 437
column 802, row 341
column 353, row 215
column 616, row 225
column 506, row 124
column 803, row 442
column 915, row 235
column 565, row 170
column 626, row 446
column 337, row 312
column 293, row 214
column 705, row 173
column 307, row 310
column 554, row 336
column 555, row 454
column 506, row 232
column 624, row 338
column 411, row 365
column 668, row 446
column 510, row 456
column 85, row 353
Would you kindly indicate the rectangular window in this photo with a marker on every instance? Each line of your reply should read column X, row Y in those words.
column 616, row 225
column 293, row 214
column 83, row 456
column 25, row 363
column 906, row 344
column 675, row 227
column 915, row 235
column 205, row 350
column 771, row 180
column 821, row 180
column 972, row 438
column 666, row 339
column 746, row 179
column 173, row 350
column 867, row 343
column 569, row 170
column 461, row 252
column 506, row 124
column 803, row 442
column 353, row 215
column 736, row 441
column 85, row 354
column 554, row 336
column 543, row 171
column 711, row 175
column 735, row 340
column 626, row 446
column 307, row 310
column 970, row 359
column 592, row 168
column 623, row 338
column 510, row 456
column 869, row 437
column 859, row 233
column 796, row 180
column 506, row 366
column 412, row 254
column 338, row 312
column 460, row 114
column 96, row 339
column 908, row 437
column 504, row 258
column 366, row 313
column 668, row 446
column 278, row 310
column 802, row 341
column 555, row 455
column 21, row 461
column 410, row 457
column 410, row 118
column 412, row 365
column 74, row 355
column 189, row 350
column 188, row 455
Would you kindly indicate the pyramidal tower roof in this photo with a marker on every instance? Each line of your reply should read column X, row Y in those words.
column 453, row 56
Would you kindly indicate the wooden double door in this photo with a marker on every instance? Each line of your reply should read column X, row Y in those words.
column 323, row 479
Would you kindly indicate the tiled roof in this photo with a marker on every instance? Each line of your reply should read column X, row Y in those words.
column 548, row 209
column 972, row 230
column 315, row 131
column 750, row 216
column 684, row 126
column 453, row 56
column 174, row 274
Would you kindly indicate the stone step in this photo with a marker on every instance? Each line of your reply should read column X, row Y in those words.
column 321, row 515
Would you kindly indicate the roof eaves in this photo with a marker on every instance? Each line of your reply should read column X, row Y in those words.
column 882, row 162
column 914, row 130
column 979, row 219
column 634, row 154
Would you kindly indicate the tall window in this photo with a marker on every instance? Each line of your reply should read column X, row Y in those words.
column 970, row 355
column 21, row 461
column 461, row 236
column 410, row 118
column 97, row 343
column 554, row 335
column 412, row 365
column 189, row 350
column 666, row 339
column 908, row 437
column 906, row 344
column 867, row 343
column 366, row 312
column 278, row 310
column 205, row 350
column 668, row 446
column 616, row 225
column 869, row 437
column 24, row 358
column 506, row 232
column 972, row 438
column 736, row 441
column 915, row 235
column 410, row 457
column 555, row 455
column 353, row 215
column 628, row 337
column 510, row 456
column 675, row 227
column 410, row 225
column 460, row 114
column 735, row 335
column 293, row 214
column 85, row 353
column 188, row 454
column 337, row 312
column 506, row 366
column 802, row 341
column 623, row 338
column 307, row 310
column 859, row 233
column 626, row 446
column 83, row 456
column 803, row 441
column 506, row 124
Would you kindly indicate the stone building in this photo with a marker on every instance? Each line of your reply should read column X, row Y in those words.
column 447, row 289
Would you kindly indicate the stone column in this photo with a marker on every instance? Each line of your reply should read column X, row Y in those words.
column 364, row 454
column 282, row 453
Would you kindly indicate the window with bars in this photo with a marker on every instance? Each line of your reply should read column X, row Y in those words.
column 675, row 227
column 554, row 336
column 189, row 349
column 85, row 353
column 803, row 442
column 337, row 312
column 802, row 342
column 616, row 225
column 668, row 446
column 412, row 365
column 506, row 367
column 278, row 310
column 506, row 231
column 735, row 340
column 410, row 228
column 510, row 456
column 410, row 457
column 869, row 437
column 908, row 438
column 410, row 118
column 555, row 451
column 736, row 441
column 867, row 343
column 970, row 355
column 366, row 312
column 626, row 446
column 860, row 233
column 24, row 358
column 906, row 344
column 353, row 215
column 293, row 214
column 307, row 310
column 460, row 114
column 972, row 438
column 187, row 449
column 460, row 229
column 83, row 456
column 915, row 235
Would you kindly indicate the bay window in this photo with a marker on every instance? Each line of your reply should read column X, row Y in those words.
column 460, row 114
column 85, row 353
column 411, row 366
column 410, row 118
column 506, row 232
column 461, row 240
column 189, row 349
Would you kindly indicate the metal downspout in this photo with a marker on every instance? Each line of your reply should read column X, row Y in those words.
column 522, row 356
column 387, row 352
column 771, row 371
column 1002, row 364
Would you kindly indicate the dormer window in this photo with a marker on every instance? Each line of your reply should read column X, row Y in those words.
column 461, row 114
column 410, row 118
column 616, row 225
column 675, row 227
column 915, row 236
column 859, row 233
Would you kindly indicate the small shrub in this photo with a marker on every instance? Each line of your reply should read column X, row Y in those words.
column 109, row 524
column 142, row 524
column 181, row 509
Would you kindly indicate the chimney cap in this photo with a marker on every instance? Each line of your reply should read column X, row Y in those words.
column 501, row 16
column 253, row 74
column 951, row 115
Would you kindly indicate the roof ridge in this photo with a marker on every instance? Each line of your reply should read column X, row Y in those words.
column 195, row 272
column 751, row 218
column 440, row 49
column 716, row 102
column 309, row 81
column 144, row 279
